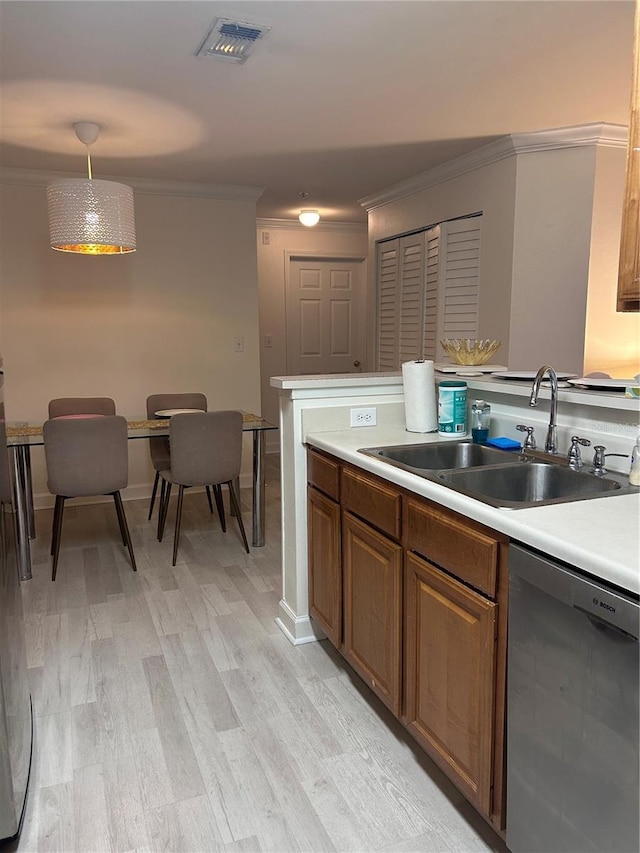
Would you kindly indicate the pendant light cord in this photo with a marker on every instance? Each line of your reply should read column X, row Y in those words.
column 89, row 163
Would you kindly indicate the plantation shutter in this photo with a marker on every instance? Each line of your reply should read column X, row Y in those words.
column 430, row 330
column 388, row 299
column 412, row 291
column 428, row 289
column 459, row 280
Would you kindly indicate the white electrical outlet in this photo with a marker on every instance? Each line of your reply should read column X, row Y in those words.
column 363, row 417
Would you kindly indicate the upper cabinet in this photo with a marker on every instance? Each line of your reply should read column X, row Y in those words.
column 629, row 274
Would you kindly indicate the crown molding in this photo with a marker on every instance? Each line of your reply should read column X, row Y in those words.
column 597, row 133
column 145, row 186
column 323, row 225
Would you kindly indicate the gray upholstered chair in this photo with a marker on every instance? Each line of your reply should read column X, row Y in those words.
column 159, row 447
column 206, row 450
column 81, row 406
column 86, row 457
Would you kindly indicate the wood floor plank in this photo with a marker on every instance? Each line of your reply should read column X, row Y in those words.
column 184, row 773
column 125, row 811
column 153, row 773
column 54, row 765
column 90, row 810
column 273, row 831
column 56, row 819
column 198, row 825
column 111, row 699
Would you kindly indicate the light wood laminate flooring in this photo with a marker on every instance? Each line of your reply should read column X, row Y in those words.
column 172, row 714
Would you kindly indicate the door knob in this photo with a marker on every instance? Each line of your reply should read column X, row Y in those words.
column 356, row 363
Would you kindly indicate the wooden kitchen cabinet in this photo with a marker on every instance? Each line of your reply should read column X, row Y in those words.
column 372, row 572
column 450, row 663
column 324, row 545
column 415, row 598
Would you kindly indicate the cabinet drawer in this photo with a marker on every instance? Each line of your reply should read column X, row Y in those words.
column 324, row 474
column 457, row 545
column 375, row 502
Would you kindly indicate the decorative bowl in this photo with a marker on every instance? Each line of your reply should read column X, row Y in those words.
column 470, row 351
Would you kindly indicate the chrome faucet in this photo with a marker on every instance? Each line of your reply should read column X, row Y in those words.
column 551, row 443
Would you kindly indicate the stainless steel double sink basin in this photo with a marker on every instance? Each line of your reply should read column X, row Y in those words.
column 501, row 478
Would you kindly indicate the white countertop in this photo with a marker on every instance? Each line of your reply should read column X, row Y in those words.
column 601, row 536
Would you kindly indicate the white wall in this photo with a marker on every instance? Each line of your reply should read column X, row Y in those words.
column 286, row 237
column 490, row 190
column 550, row 243
column 554, row 205
column 612, row 339
column 161, row 319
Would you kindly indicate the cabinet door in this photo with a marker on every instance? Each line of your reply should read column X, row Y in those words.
column 450, row 676
column 325, row 577
column 372, row 567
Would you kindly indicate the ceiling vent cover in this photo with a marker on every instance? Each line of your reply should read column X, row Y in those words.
column 231, row 40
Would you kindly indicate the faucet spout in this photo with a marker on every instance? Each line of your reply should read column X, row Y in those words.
column 551, row 443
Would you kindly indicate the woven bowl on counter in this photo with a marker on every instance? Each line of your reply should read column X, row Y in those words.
column 470, row 351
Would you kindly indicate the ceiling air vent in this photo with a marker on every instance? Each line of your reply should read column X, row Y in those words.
column 231, row 40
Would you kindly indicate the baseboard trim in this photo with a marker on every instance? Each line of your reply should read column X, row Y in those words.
column 297, row 629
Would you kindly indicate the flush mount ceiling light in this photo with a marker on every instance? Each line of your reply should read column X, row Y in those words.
column 87, row 216
column 308, row 216
column 231, row 40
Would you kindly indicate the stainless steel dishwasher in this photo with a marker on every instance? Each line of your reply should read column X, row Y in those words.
column 572, row 711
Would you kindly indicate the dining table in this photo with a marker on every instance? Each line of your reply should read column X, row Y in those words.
column 23, row 435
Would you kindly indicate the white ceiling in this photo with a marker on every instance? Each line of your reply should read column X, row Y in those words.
column 341, row 99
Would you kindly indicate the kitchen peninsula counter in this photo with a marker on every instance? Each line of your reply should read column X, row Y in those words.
column 600, row 536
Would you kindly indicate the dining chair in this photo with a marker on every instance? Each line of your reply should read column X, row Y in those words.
column 64, row 406
column 159, row 447
column 206, row 449
column 86, row 457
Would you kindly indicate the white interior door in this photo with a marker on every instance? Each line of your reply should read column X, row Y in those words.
column 324, row 316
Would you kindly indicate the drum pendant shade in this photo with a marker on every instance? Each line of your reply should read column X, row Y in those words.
column 88, row 216
column 91, row 217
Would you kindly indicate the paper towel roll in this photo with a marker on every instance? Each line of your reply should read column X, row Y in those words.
column 420, row 407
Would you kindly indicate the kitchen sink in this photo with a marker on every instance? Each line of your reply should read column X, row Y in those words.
column 529, row 484
column 501, row 478
column 441, row 455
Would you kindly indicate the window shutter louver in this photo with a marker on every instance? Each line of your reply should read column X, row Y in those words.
column 459, row 280
column 412, row 286
column 430, row 330
column 387, row 305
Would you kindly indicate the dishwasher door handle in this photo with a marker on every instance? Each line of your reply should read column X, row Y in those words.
column 602, row 625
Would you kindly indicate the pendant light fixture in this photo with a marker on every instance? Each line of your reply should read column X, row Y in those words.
column 88, row 216
column 306, row 216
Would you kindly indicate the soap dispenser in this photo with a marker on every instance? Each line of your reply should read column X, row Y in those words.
column 634, row 469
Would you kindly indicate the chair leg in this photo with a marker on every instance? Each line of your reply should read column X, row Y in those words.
column 163, row 489
column 217, row 491
column 122, row 519
column 164, row 508
column 153, row 495
column 176, row 533
column 122, row 524
column 235, row 503
column 55, row 521
column 57, row 535
column 209, row 499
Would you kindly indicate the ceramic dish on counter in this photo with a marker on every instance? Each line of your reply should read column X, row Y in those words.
column 470, row 369
column 167, row 413
column 529, row 375
column 601, row 383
